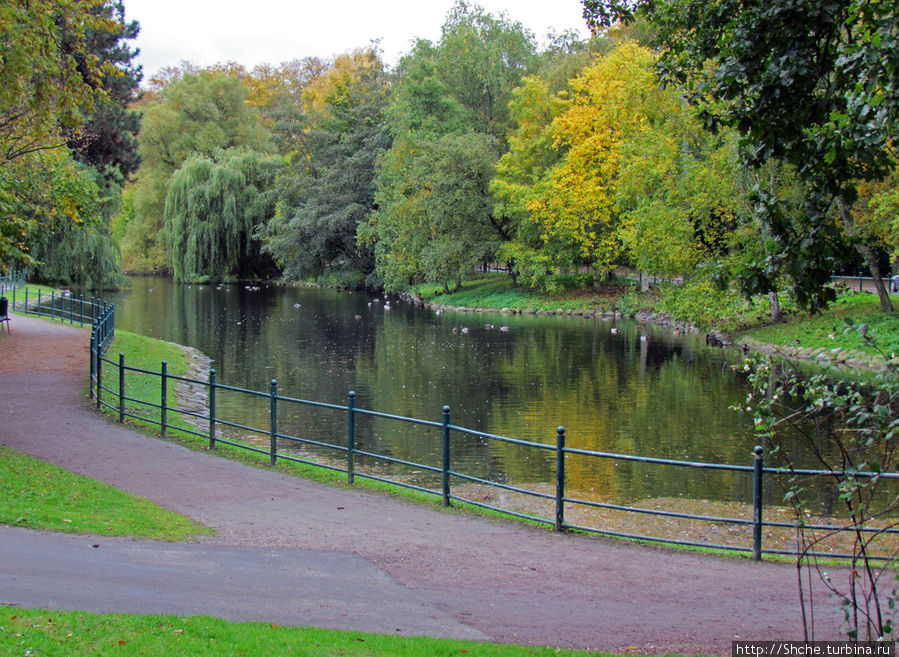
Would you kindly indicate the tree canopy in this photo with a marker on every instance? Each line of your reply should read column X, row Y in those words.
column 328, row 188
column 66, row 77
column 196, row 115
column 213, row 209
column 448, row 120
column 812, row 84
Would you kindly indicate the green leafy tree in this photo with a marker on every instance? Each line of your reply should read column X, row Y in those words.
column 453, row 94
column 328, row 189
column 812, row 84
column 62, row 231
column 50, row 76
column 677, row 193
column 440, row 228
column 50, row 79
column 213, row 210
column 532, row 153
column 108, row 138
column 481, row 59
column 195, row 115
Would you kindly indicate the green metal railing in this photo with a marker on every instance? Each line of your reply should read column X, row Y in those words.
column 560, row 501
column 11, row 281
column 67, row 308
column 100, row 316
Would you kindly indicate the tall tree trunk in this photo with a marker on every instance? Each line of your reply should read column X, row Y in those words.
column 776, row 317
column 870, row 259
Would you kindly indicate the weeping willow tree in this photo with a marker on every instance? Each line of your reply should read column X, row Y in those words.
column 67, row 237
column 212, row 211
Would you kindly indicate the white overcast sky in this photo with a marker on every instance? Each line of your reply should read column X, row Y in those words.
column 274, row 31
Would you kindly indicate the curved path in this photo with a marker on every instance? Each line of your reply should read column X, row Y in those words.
column 296, row 552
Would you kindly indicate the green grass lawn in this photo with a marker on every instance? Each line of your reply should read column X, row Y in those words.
column 828, row 329
column 147, row 354
column 73, row 634
column 39, row 495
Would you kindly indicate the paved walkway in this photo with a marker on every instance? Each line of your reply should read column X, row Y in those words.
column 291, row 551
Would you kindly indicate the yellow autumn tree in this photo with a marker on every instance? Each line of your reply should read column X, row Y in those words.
column 573, row 205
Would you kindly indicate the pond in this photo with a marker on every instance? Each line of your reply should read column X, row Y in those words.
column 615, row 385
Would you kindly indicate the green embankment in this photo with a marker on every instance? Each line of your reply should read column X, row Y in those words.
column 702, row 305
column 837, row 328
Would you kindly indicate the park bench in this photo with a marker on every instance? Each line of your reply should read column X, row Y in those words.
column 4, row 312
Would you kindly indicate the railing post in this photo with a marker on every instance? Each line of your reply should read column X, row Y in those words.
column 93, row 362
column 38, row 302
column 446, row 456
column 350, row 436
column 560, row 479
column 99, row 375
column 273, row 425
column 757, row 505
column 52, row 304
column 212, row 409
column 81, row 311
column 121, row 387
column 163, row 398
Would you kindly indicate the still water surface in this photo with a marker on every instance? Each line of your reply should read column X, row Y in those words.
column 665, row 396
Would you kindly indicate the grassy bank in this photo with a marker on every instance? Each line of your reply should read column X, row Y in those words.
column 698, row 304
column 496, row 291
column 68, row 634
column 39, row 495
column 837, row 328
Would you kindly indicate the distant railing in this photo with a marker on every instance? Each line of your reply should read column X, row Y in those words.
column 864, row 283
column 12, row 280
column 558, row 502
column 67, row 308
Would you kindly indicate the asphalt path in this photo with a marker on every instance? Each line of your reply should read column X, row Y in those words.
column 291, row 551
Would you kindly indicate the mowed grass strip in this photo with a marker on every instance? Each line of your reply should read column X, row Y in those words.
column 40, row 495
column 72, row 634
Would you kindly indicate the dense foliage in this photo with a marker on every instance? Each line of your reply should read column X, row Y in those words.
column 329, row 190
column 213, row 208
column 65, row 82
column 814, row 85
column 746, row 146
